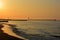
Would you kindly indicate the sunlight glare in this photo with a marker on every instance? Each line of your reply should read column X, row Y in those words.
column 1, row 4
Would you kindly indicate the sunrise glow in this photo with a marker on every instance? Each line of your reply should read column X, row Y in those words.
column 42, row 9
column 1, row 4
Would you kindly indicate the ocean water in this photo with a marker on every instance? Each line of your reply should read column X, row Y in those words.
column 36, row 30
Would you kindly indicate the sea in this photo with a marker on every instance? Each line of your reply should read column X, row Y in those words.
column 36, row 30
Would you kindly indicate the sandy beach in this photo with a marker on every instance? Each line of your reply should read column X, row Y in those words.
column 8, row 31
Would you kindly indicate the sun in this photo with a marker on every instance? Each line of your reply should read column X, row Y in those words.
column 1, row 4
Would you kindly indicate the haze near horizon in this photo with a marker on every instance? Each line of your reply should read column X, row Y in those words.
column 39, row 9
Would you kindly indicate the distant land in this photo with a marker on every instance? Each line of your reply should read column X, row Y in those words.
column 31, row 19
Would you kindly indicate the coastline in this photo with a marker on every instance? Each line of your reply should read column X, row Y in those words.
column 7, row 30
column 29, row 20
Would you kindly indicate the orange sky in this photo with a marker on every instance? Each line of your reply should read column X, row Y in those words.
column 30, row 8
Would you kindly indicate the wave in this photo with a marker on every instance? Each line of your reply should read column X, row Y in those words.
column 33, row 36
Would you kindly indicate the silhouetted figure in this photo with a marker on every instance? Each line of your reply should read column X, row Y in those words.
column 4, row 36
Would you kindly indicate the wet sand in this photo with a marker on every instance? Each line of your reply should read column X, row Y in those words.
column 11, row 30
column 8, row 31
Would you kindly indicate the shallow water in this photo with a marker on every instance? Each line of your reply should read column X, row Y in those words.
column 37, row 30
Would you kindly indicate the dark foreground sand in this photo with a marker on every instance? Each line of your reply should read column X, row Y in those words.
column 27, row 36
column 4, row 36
